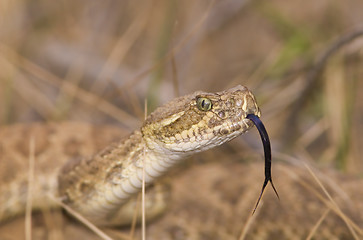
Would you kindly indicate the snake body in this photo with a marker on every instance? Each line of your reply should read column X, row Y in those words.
column 212, row 200
column 98, row 187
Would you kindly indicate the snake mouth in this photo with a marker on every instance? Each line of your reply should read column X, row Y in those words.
column 267, row 151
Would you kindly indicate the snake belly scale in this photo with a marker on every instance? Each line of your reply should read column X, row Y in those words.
column 99, row 187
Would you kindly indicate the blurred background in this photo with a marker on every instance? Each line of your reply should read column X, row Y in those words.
column 98, row 61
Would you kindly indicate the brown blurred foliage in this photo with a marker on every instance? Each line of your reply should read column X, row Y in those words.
column 97, row 61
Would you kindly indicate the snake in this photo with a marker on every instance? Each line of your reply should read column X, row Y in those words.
column 98, row 173
column 98, row 187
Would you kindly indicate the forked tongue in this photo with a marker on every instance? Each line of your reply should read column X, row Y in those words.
column 267, row 150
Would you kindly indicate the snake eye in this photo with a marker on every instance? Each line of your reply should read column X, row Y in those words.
column 204, row 104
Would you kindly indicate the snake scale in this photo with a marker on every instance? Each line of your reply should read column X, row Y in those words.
column 102, row 187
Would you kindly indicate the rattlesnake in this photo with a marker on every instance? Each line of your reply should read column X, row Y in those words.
column 51, row 153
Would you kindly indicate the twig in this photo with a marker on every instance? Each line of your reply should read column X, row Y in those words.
column 82, row 219
column 332, row 205
column 318, row 223
column 135, row 217
column 143, row 229
column 121, row 48
column 340, row 212
column 29, row 197
column 175, row 77
column 251, row 218
column 175, row 49
column 312, row 76
column 89, row 98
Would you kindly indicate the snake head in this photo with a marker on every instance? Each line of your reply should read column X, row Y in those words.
column 200, row 121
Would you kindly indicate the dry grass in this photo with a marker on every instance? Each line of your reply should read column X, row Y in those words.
column 28, row 208
column 96, row 61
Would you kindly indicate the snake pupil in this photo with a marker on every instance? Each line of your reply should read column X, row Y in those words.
column 204, row 104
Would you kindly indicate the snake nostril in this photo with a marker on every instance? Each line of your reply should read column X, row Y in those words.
column 253, row 110
column 250, row 105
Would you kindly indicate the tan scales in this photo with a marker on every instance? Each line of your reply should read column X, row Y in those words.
column 97, row 186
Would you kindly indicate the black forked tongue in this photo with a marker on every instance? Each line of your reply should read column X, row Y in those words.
column 267, row 149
